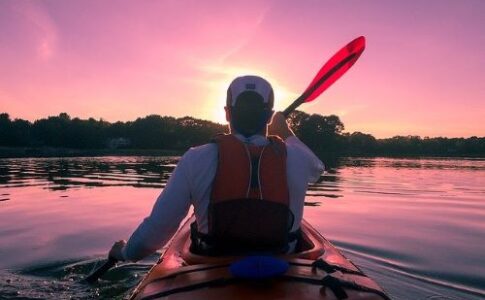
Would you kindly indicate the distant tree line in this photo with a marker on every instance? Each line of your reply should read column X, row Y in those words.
column 150, row 132
column 323, row 134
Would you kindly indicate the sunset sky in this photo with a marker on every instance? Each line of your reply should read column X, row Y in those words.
column 423, row 72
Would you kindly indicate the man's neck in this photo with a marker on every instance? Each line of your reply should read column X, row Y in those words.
column 255, row 139
column 263, row 132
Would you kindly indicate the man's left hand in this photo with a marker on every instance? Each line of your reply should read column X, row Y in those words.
column 116, row 250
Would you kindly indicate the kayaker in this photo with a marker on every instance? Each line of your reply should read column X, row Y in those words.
column 247, row 188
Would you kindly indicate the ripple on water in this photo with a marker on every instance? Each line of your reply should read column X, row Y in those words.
column 399, row 268
column 64, row 280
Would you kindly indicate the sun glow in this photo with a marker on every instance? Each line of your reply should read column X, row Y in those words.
column 218, row 91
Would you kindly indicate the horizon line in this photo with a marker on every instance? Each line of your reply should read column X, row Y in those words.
column 226, row 124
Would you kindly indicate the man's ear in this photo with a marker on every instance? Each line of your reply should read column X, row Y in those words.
column 228, row 114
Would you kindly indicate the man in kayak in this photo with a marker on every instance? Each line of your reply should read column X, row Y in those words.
column 247, row 188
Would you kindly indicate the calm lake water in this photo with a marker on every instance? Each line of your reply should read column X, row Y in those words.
column 417, row 226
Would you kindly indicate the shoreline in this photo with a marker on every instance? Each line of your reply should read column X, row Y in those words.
column 32, row 152
column 46, row 152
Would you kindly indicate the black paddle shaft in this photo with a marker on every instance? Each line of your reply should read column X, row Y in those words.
column 92, row 278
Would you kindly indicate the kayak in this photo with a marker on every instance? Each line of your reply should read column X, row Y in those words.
column 317, row 270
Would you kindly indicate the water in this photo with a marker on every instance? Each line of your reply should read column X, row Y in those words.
column 417, row 226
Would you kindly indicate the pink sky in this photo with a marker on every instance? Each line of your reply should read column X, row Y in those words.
column 423, row 72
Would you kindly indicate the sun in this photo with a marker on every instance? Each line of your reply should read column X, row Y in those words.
column 214, row 107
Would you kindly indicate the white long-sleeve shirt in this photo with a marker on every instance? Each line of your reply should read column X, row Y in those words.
column 191, row 183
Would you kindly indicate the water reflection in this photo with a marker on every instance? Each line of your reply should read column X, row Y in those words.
column 58, row 174
column 415, row 225
column 472, row 164
column 65, row 173
column 144, row 172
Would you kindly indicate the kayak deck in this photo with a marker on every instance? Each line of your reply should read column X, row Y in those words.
column 316, row 271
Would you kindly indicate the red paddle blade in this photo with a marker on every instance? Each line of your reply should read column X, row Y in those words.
column 334, row 68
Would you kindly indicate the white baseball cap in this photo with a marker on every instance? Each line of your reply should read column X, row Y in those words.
column 250, row 83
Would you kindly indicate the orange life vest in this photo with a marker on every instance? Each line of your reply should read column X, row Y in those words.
column 249, row 204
